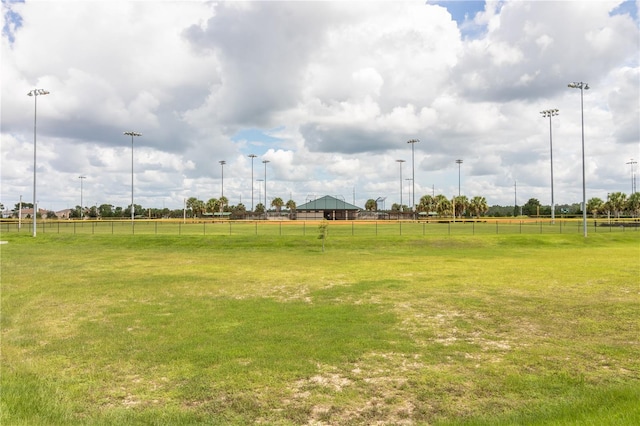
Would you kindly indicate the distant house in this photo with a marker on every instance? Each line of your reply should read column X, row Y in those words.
column 327, row 207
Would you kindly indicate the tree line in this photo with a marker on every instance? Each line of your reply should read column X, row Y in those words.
column 616, row 205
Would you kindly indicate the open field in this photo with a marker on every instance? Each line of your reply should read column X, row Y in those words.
column 165, row 329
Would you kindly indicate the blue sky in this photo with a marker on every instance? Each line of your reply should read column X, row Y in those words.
column 327, row 92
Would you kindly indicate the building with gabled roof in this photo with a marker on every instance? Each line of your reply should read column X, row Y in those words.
column 327, row 207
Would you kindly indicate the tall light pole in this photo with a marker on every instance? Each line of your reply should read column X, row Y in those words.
column 400, row 163
column 35, row 93
column 413, row 173
column 132, row 134
column 252, row 156
column 551, row 113
column 409, row 179
column 582, row 86
column 633, row 175
column 81, row 209
column 459, row 162
column 222, row 163
column 260, row 189
column 265, row 186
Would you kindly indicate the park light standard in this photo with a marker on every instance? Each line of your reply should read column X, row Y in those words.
column 132, row 134
column 252, row 156
column 35, row 93
column 633, row 175
column 265, row 186
column 222, row 163
column 400, row 163
column 413, row 173
column 459, row 162
column 582, row 86
column 81, row 208
column 551, row 113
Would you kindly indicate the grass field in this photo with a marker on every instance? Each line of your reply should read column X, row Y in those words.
column 157, row 329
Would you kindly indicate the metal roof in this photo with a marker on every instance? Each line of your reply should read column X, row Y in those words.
column 327, row 203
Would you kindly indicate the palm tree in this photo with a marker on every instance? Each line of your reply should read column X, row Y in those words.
column 223, row 201
column 461, row 202
column 196, row 206
column 427, row 204
column 371, row 205
column 443, row 205
column 291, row 205
column 277, row 203
column 594, row 206
column 633, row 204
column 478, row 206
column 617, row 201
column 212, row 205
column 259, row 208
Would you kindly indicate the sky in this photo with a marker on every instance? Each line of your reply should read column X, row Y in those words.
column 329, row 93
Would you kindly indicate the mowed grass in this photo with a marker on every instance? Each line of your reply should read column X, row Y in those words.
column 160, row 329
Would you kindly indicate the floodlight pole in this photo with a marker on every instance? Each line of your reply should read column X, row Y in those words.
column 252, row 156
column 35, row 93
column 265, row 187
column 82, row 178
column 222, row 163
column 459, row 162
column 633, row 175
column 400, row 163
column 582, row 86
column 551, row 113
column 132, row 134
column 413, row 174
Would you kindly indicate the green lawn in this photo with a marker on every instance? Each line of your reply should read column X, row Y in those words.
column 381, row 328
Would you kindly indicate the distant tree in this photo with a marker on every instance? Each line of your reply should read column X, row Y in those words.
column 223, row 202
column 617, row 201
column 427, row 204
column 371, row 205
column 531, row 207
column 595, row 206
column 291, row 205
column 259, row 208
column 461, row 202
column 478, row 206
column 105, row 210
column 633, row 204
column 51, row 215
column 212, row 205
column 443, row 205
column 277, row 203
